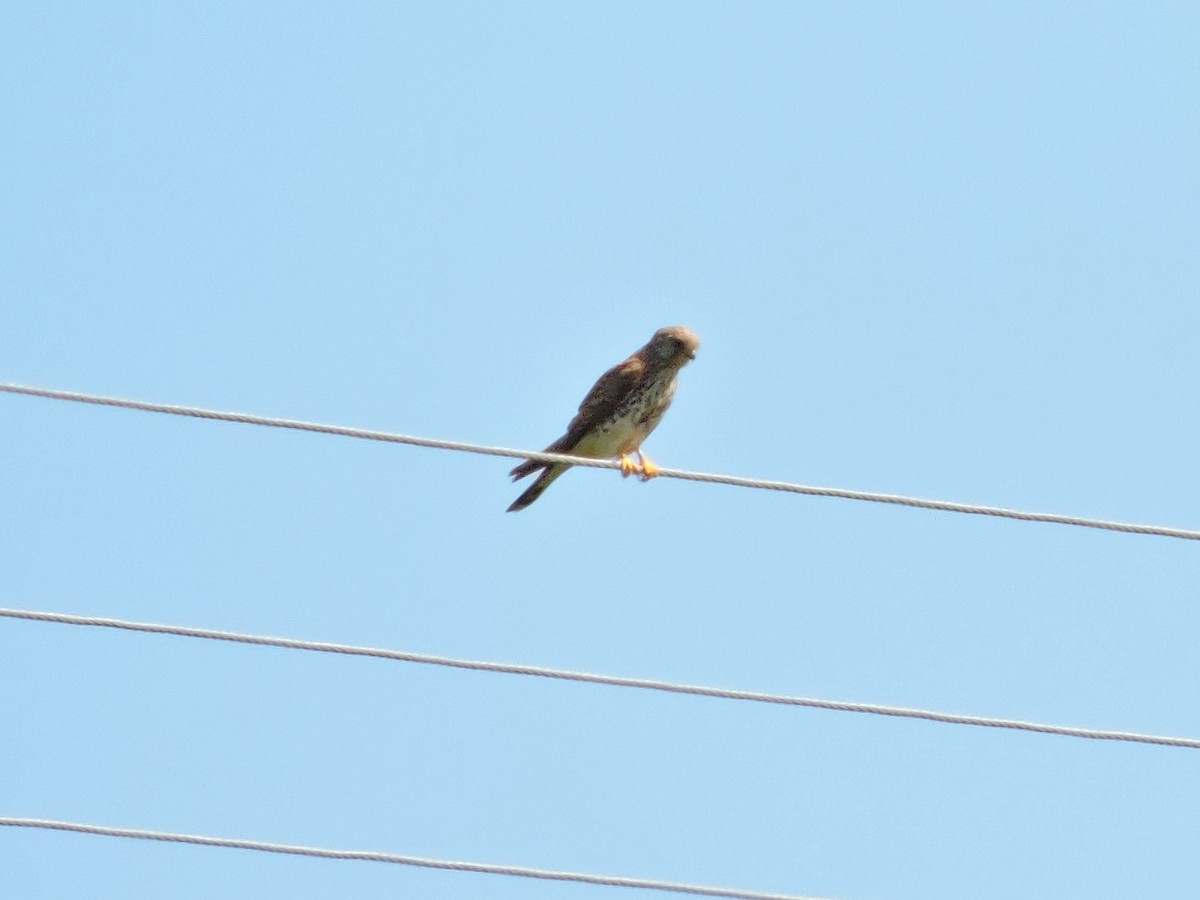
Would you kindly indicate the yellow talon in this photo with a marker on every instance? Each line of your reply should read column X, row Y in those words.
column 629, row 467
column 649, row 469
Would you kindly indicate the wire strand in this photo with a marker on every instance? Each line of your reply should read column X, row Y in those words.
column 703, row 477
column 610, row 680
column 398, row 859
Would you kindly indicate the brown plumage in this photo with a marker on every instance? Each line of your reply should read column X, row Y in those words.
column 619, row 412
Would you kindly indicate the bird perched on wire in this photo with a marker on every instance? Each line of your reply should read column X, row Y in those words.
column 619, row 412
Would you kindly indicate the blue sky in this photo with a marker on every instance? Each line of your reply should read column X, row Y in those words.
column 939, row 249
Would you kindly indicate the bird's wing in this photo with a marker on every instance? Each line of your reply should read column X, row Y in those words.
column 602, row 400
column 600, row 403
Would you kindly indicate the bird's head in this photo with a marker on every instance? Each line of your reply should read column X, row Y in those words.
column 673, row 346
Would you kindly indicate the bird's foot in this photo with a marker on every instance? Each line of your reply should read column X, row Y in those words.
column 648, row 469
column 629, row 467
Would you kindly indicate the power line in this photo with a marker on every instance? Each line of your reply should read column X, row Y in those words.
column 398, row 859
column 611, row 680
column 705, row 477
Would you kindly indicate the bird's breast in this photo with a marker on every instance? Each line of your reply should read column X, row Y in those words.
column 637, row 415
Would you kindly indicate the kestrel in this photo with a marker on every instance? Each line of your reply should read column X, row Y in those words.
column 619, row 412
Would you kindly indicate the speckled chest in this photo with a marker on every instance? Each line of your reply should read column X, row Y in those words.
column 639, row 413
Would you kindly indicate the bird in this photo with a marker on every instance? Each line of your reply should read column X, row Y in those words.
column 619, row 412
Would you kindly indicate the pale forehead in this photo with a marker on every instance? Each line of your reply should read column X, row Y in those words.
column 679, row 333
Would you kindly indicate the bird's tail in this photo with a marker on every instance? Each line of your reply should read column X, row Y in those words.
column 527, row 468
column 535, row 490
